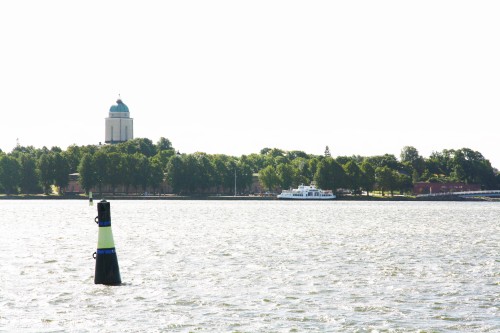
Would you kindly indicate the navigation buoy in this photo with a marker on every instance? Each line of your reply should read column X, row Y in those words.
column 106, row 264
column 91, row 201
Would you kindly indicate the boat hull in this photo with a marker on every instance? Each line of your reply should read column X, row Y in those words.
column 306, row 193
column 307, row 198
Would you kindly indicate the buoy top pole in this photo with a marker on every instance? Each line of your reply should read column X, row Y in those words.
column 103, row 212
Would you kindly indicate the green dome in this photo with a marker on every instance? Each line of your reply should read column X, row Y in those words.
column 119, row 107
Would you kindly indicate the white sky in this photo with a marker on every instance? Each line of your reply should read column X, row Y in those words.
column 233, row 77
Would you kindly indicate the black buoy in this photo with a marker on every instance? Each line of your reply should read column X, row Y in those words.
column 106, row 266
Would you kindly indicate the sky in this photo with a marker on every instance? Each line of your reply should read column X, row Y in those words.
column 233, row 77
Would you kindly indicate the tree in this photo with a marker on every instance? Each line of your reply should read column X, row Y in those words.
column 228, row 177
column 101, row 165
column 339, row 176
column 285, row 174
column 245, row 174
column 156, row 174
column 387, row 160
column 115, row 173
column 275, row 152
column 302, row 173
column 73, row 154
column 354, row 176
column 61, row 171
column 312, row 166
column 138, row 145
column 410, row 156
column 87, row 172
column 163, row 156
column 205, row 171
column 386, row 179
column 9, row 174
column 164, row 144
column 46, row 168
column 256, row 162
column 268, row 178
column 220, row 167
column 192, row 174
column 29, row 180
column 342, row 160
column 175, row 173
column 368, row 177
column 129, row 169
column 21, row 150
column 292, row 155
column 143, row 176
column 329, row 174
column 404, row 183
column 471, row 167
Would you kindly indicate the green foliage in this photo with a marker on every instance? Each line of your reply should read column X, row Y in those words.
column 386, row 179
column 143, row 172
column 164, row 144
column 45, row 167
column 330, row 174
column 142, row 146
column 115, row 170
column 368, row 177
column 9, row 174
column 294, row 154
column 143, row 166
column 269, row 178
column 324, row 176
column 387, row 160
column 176, row 174
column 29, row 179
column 88, row 176
column 303, row 174
column 342, row 160
column 285, row 173
column 409, row 154
column 354, row 175
column 73, row 155
column 163, row 156
column 61, row 170
column 244, row 175
column 412, row 162
column 101, row 167
column 156, row 174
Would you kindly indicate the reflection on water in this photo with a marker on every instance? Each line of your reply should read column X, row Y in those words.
column 229, row 266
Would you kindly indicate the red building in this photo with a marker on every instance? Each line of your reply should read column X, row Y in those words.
column 430, row 188
column 73, row 185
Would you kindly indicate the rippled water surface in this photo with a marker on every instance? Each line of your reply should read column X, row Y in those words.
column 253, row 266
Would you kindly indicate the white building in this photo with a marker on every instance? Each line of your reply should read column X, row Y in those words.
column 119, row 125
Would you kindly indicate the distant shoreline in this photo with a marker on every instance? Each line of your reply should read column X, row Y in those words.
column 233, row 198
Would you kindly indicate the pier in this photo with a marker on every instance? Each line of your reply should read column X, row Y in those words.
column 466, row 194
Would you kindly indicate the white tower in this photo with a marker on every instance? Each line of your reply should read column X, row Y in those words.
column 119, row 125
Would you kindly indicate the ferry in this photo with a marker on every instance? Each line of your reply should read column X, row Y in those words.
column 304, row 192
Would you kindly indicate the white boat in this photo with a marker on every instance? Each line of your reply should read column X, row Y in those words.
column 304, row 192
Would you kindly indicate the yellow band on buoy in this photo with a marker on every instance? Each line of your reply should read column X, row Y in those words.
column 105, row 238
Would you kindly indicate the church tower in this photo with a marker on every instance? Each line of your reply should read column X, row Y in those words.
column 119, row 125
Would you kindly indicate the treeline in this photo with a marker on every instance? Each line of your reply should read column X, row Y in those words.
column 139, row 165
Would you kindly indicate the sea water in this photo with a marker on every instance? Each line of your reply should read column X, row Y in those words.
column 253, row 266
